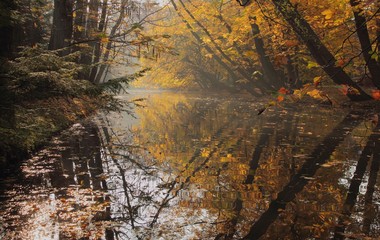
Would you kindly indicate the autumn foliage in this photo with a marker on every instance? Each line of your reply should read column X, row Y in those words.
column 212, row 45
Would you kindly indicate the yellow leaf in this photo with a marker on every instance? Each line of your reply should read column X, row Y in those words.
column 298, row 93
column 328, row 14
column 315, row 94
column 80, row 28
column 312, row 65
column 250, row 53
column 317, row 81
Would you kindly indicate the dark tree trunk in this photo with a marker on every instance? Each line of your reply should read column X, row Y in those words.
column 7, row 98
column 62, row 29
column 6, row 27
column 292, row 73
column 269, row 71
column 365, row 43
column 80, row 33
column 80, row 22
column 32, row 28
column 317, row 49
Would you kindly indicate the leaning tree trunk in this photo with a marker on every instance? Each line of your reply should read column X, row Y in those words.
column 268, row 69
column 365, row 43
column 62, row 30
column 318, row 50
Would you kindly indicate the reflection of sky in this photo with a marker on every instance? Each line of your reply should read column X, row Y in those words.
column 147, row 192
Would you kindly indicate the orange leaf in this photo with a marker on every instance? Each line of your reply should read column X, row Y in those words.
column 280, row 98
column 376, row 94
column 283, row 91
column 291, row 43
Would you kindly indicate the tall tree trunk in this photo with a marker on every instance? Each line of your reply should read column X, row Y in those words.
column 98, row 45
column 6, row 27
column 92, row 33
column 80, row 22
column 7, row 97
column 32, row 29
column 317, row 49
column 62, row 29
column 365, row 43
column 80, row 34
column 269, row 71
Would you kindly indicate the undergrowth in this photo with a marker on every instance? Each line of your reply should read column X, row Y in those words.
column 41, row 93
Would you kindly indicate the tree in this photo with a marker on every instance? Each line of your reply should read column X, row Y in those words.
column 6, row 27
column 318, row 49
column 268, row 69
column 62, row 29
column 365, row 42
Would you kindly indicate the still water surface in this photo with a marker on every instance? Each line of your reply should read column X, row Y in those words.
column 187, row 166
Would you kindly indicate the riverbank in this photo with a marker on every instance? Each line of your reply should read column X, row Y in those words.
column 36, row 122
column 42, row 93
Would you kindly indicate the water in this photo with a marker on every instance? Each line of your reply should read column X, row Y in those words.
column 187, row 166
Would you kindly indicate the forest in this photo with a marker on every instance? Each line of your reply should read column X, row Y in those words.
column 189, row 119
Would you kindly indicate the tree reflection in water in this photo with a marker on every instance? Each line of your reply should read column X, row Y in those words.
column 190, row 167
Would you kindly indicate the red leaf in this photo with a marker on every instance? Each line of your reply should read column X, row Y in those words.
column 283, row 91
